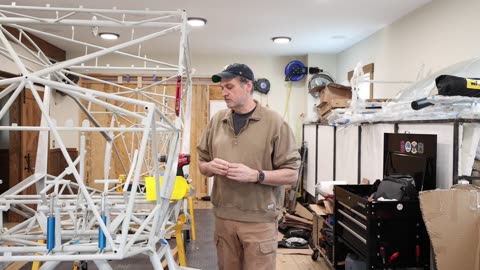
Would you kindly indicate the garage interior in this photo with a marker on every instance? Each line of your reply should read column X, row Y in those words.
column 103, row 104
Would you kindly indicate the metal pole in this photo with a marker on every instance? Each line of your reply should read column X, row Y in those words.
column 90, row 10
column 10, row 101
column 34, row 31
column 13, row 54
column 70, row 164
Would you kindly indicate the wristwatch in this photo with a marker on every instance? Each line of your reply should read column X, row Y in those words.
column 260, row 177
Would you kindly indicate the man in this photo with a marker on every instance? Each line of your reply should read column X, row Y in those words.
column 251, row 153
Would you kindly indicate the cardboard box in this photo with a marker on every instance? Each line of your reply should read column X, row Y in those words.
column 333, row 91
column 452, row 218
column 303, row 212
column 325, row 108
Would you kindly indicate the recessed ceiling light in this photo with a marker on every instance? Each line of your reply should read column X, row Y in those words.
column 281, row 40
column 110, row 36
column 196, row 21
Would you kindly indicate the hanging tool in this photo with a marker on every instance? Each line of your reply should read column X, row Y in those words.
column 183, row 160
column 178, row 95
column 292, row 198
column 382, row 254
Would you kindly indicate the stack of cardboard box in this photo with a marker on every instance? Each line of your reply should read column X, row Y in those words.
column 332, row 96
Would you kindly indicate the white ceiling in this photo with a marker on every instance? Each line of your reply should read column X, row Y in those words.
column 246, row 27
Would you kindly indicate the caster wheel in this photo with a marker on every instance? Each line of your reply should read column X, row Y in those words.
column 83, row 265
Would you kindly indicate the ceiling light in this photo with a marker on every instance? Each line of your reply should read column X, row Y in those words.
column 110, row 36
column 196, row 21
column 281, row 40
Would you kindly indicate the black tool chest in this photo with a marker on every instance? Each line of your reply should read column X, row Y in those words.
column 385, row 234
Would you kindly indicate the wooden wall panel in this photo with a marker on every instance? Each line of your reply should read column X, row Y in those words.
column 200, row 117
column 215, row 92
column 199, row 122
column 95, row 142
column 95, row 156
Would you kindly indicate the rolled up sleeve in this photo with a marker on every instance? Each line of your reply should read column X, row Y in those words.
column 286, row 155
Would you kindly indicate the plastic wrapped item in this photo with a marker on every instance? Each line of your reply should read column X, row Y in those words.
column 326, row 187
column 427, row 104
column 426, row 87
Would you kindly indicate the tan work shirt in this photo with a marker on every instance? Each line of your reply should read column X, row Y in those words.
column 266, row 142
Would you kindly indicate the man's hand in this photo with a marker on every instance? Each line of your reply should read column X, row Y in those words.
column 241, row 173
column 233, row 171
column 219, row 167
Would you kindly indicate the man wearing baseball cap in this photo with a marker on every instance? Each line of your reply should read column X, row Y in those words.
column 251, row 153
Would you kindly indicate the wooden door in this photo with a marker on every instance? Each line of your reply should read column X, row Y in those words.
column 30, row 116
column 203, row 93
column 4, row 170
column 23, row 145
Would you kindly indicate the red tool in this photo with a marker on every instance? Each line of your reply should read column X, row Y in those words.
column 183, row 160
column 393, row 257
column 178, row 95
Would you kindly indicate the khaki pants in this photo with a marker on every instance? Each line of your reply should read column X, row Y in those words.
column 245, row 245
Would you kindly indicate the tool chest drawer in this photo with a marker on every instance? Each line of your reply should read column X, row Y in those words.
column 386, row 234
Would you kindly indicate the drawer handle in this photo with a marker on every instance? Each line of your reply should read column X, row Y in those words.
column 354, row 211
column 353, row 232
column 352, row 219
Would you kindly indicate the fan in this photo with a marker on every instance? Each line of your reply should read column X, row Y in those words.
column 318, row 82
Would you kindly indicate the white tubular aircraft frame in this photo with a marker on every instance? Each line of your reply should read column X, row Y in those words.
column 71, row 221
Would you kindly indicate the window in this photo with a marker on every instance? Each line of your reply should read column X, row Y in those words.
column 365, row 88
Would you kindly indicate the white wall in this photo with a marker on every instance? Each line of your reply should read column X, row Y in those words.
column 65, row 112
column 437, row 35
column 273, row 69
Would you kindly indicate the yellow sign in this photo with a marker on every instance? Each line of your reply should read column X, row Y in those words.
column 473, row 84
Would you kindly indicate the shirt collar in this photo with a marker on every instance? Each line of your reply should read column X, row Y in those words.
column 256, row 115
